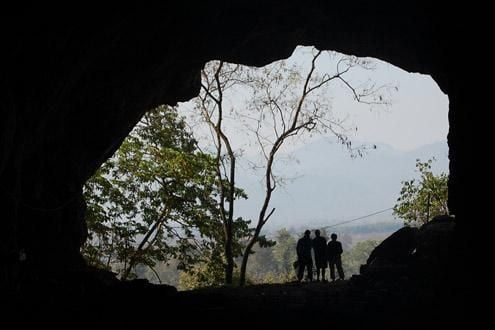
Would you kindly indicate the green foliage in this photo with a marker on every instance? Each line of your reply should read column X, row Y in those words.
column 273, row 263
column 284, row 252
column 262, row 264
column 264, row 242
column 421, row 200
column 276, row 277
column 154, row 200
column 161, row 273
column 355, row 257
column 210, row 273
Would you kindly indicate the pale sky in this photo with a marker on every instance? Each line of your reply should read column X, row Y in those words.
column 418, row 114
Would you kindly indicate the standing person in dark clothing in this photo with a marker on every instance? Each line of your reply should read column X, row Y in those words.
column 320, row 249
column 334, row 251
column 303, row 250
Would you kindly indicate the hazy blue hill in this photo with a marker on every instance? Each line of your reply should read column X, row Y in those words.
column 331, row 186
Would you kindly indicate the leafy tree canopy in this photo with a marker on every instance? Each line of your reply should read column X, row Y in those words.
column 422, row 199
column 154, row 200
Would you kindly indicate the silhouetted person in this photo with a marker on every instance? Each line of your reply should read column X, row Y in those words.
column 334, row 251
column 320, row 249
column 303, row 250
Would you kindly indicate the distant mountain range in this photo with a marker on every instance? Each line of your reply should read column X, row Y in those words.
column 330, row 186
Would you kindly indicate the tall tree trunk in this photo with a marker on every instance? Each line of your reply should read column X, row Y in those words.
column 229, row 250
column 245, row 257
column 227, row 219
column 263, row 218
column 229, row 256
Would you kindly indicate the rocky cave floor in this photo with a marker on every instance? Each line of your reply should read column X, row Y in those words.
column 396, row 289
column 357, row 303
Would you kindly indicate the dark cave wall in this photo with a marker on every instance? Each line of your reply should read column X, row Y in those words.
column 73, row 86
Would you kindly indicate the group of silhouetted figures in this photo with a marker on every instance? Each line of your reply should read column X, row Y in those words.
column 325, row 254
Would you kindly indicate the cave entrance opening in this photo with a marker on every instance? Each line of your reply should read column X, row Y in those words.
column 366, row 124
